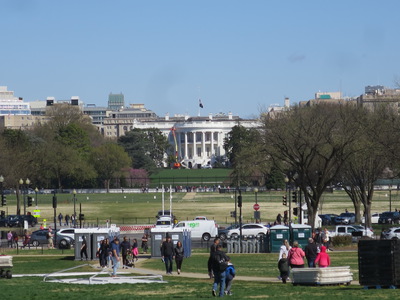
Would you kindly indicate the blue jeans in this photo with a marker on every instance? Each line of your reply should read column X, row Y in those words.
column 219, row 278
column 311, row 263
column 115, row 265
column 168, row 264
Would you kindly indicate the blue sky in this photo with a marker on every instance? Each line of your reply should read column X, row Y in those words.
column 237, row 56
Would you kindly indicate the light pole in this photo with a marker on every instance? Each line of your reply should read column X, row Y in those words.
column 74, row 192
column 36, row 197
column 256, row 213
column 255, row 193
column 289, row 187
column 2, row 190
column 24, row 190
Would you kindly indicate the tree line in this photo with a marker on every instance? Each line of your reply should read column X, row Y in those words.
column 320, row 146
column 67, row 151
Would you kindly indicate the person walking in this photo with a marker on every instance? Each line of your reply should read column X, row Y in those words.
column 179, row 254
column 115, row 250
column 50, row 238
column 60, row 218
column 283, row 266
column 327, row 238
column 84, row 248
column 125, row 248
column 10, row 239
column 67, row 219
column 296, row 256
column 145, row 246
column 213, row 248
column 311, row 252
column 135, row 251
column 219, row 265
column 167, row 253
column 104, row 253
column 323, row 260
column 230, row 273
column 284, row 249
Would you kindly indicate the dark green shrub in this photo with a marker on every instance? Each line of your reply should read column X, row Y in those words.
column 342, row 240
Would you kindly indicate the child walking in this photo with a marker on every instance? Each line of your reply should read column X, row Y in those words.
column 283, row 267
column 230, row 273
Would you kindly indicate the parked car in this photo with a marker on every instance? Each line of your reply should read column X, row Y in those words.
column 346, row 218
column 67, row 232
column 39, row 237
column 374, row 218
column 389, row 217
column 166, row 212
column 391, row 233
column 254, row 229
column 326, row 220
column 14, row 221
column 3, row 221
column 332, row 216
column 223, row 232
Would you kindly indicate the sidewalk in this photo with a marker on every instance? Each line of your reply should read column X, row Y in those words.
column 139, row 269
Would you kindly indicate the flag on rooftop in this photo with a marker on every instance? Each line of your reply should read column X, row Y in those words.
column 200, row 104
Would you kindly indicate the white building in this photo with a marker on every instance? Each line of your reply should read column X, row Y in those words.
column 11, row 105
column 198, row 141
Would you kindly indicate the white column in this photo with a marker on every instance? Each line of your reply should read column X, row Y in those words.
column 179, row 146
column 186, row 146
column 203, row 141
column 212, row 144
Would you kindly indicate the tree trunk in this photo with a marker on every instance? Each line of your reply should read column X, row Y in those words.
column 357, row 211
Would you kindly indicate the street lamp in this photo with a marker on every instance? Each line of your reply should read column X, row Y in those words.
column 2, row 190
column 289, row 187
column 36, row 197
column 24, row 190
column 256, row 213
column 74, row 192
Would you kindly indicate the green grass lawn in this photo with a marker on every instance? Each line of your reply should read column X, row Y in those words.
column 141, row 208
column 179, row 286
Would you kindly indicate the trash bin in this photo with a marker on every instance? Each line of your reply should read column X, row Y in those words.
column 278, row 234
column 300, row 233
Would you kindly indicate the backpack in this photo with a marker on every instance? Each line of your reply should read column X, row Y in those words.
column 220, row 261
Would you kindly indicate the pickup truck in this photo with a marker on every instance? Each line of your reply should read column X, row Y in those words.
column 354, row 230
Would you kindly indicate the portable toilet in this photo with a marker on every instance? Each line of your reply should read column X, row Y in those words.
column 300, row 233
column 278, row 234
column 93, row 237
column 159, row 235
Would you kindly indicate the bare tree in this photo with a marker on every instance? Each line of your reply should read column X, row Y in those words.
column 313, row 142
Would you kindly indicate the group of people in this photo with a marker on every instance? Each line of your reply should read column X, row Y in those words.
column 293, row 257
column 68, row 219
column 221, row 269
column 169, row 252
column 111, row 253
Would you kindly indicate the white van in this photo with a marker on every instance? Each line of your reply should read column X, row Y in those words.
column 204, row 229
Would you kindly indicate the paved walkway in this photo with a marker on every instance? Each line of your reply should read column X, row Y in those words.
column 139, row 269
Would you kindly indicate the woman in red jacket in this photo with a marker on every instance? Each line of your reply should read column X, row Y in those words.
column 323, row 260
column 296, row 256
